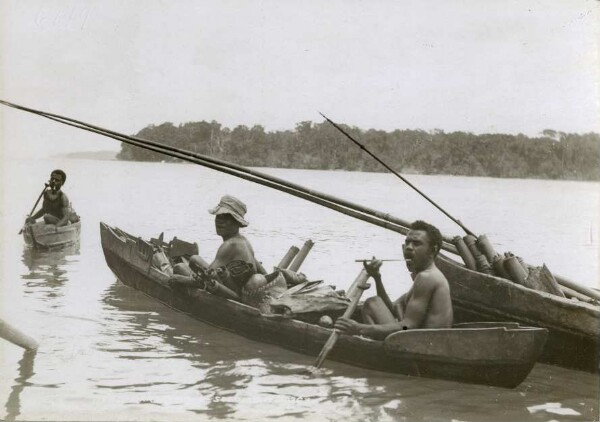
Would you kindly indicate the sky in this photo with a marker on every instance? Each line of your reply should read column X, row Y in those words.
column 477, row 66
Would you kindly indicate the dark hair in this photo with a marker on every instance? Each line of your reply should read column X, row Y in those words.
column 434, row 235
column 62, row 173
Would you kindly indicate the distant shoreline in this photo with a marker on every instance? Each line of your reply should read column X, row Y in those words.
column 114, row 156
column 552, row 155
column 405, row 172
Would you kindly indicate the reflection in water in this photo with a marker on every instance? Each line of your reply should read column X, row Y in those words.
column 48, row 269
column 226, row 374
column 216, row 374
column 13, row 405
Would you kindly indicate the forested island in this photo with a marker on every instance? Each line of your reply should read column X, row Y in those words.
column 552, row 155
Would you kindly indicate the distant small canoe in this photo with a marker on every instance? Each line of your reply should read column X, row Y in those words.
column 497, row 354
column 47, row 236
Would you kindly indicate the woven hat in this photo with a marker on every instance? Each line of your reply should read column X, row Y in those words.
column 231, row 205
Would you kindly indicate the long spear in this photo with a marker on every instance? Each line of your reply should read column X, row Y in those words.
column 561, row 280
column 397, row 174
column 362, row 213
column 354, row 210
column 308, row 194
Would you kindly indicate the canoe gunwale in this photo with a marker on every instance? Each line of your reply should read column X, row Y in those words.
column 51, row 239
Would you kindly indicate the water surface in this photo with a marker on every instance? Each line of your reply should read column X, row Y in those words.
column 108, row 352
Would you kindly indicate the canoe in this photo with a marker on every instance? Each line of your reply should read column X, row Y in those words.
column 573, row 326
column 496, row 354
column 47, row 236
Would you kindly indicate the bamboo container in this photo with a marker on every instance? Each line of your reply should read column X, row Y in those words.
column 289, row 256
column 481, row 261
column 219, row 289
column 299, row 259
column 486, row 247
column 515, row 270
column 465, row 253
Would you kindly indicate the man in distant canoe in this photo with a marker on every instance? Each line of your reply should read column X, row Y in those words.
column 426, row 305
column 56, row 208
column 235, row 249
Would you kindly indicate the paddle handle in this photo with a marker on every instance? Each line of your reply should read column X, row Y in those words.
column 36, row 203
column 327, row 348
column 356, row 291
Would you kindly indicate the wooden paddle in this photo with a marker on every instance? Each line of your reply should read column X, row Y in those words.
column 36, row 203
column 354, row 293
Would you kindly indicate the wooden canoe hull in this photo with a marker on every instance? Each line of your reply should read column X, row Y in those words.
column 48, row 236
column 573, row 326
column 129, row 259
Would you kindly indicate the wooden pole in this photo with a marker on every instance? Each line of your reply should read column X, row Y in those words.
column 395, row 173
column 10, row 333
column 221, row 165
column 570, row 293
column 354, row 292
column 577, row 287
column 36, row 204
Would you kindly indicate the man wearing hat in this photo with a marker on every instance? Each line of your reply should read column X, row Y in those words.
column 229, row 217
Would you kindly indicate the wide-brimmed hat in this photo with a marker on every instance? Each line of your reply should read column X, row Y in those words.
column 231, row 205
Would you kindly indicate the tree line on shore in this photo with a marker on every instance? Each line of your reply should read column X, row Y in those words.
column 551, row 155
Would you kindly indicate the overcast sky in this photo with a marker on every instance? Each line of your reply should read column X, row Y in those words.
column 478, row 66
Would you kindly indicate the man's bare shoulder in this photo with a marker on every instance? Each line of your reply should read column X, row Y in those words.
column 431, row 276
column 235, row 244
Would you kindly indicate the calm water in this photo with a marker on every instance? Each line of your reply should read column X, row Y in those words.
column 110, row 353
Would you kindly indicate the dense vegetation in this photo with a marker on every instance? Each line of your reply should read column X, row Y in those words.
column 553, row 155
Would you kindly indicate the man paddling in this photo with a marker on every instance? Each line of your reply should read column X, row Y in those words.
column 426, row 305
column 235, row 253
column 56, row 208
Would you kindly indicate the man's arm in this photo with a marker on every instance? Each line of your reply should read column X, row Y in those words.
column 418, row 304
column 65, row 211
column 36, row 215
column 382, row 293
column 416, row 311
column 372, row 268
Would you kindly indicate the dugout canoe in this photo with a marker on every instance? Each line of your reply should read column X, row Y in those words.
column 47, row 236
column 496, row 354
column 573, row 326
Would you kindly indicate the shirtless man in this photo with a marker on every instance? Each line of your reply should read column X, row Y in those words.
column 426, row 305
column 56, row 208
column 229, row 218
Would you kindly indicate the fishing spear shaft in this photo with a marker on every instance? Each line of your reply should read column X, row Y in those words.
column 193, row 158
column 448, row 242
column 397, row 175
